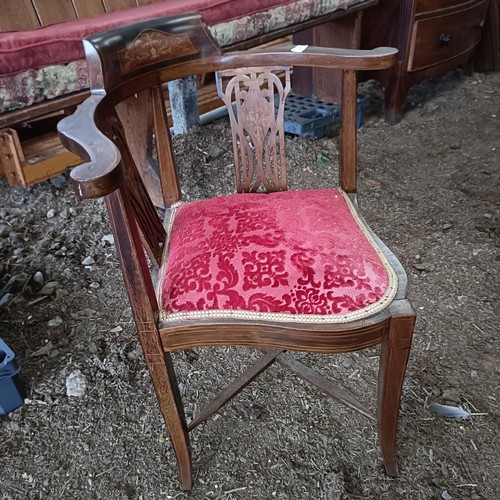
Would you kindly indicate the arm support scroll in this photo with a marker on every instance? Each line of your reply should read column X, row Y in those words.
column 102, row 172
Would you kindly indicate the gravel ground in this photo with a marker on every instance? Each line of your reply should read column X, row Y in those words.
column 429, row 186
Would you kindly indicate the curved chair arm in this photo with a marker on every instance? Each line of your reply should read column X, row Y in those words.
column 102, row 173
column 308, row 55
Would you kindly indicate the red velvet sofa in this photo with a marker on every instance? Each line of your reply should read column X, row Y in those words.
column 48, row 62
column 43, row 70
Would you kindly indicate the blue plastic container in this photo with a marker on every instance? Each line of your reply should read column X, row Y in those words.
column 362, row 102
column 308, row 116
column 11, row 394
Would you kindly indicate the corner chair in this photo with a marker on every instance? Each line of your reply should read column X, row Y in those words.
column 266, row 268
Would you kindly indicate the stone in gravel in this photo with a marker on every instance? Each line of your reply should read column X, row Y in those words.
column 6, row 299
column 254, row 412
column 58, row 182
column 51, row 213
column 424, row 267
column 88, row 261
column 16, row 283
column 76, row 384
column 136, row 354
column 45, row 349
column 57, row 321
column 61, row 293
column 4, row 230
column 64, row 214
column 215, row 152
column 15, row 239
column 108, row 238
column 50, row 287
column 33, row 286
column 38, row 277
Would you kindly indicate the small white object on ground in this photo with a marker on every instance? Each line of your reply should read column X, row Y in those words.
column 76, row 384
column 88, row 261
column 57, row 321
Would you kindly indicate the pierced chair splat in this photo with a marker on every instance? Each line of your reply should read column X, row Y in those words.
column 267, row 268
column 258, row 138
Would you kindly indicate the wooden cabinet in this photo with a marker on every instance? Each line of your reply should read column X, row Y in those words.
column 433, row 37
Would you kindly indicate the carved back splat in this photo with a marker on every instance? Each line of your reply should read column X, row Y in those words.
column 257, row 124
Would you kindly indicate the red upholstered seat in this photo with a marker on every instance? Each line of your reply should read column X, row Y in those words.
column 285, row 256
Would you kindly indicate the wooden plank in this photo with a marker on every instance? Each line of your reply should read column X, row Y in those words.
column 51, row 166
column 343, row 32
column 114, row 5
column 11, row 157
column 54, row 11
column 41, row 109
column 41, row 146
column 35, row 160
column 236, row 386
column 88, row 8
column 324, row 385
column 19, row 15
column 302, row 77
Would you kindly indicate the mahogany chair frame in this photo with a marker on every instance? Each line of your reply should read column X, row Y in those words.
column 128, row 67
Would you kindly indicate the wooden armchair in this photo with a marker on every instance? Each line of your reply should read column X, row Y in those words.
column 268, row 268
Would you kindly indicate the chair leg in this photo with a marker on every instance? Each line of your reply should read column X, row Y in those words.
column 394, row 354
column 169, row 399
column 178, row 429
column 135, row 268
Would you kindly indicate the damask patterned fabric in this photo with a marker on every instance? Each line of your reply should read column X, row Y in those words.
column 36, row 85
column 285, row 256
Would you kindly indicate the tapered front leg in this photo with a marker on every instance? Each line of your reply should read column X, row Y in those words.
column 164, row 381
column 394, row 354
column 142, row 299
column 169, row 400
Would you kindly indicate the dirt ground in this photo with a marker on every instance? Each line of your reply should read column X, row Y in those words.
column 429, row 186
